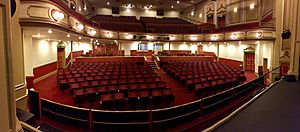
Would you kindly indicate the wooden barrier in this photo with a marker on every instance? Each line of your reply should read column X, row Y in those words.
column 110, row 58
column 194, row 58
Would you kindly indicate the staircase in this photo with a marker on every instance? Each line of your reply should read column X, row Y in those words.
column 152, row 65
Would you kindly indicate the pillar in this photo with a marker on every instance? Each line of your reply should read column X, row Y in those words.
column 61, row 59
column 215, row 19
column 293, row 24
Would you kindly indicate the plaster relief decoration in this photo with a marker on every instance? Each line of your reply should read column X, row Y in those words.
column 221, row 11
column 210, row 13
column 38, row 11
column 285, row 57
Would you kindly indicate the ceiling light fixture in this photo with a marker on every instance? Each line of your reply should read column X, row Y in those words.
column 172, row 6
column 79, row 37
column 177, row 2
column 68, row 35
column 107, row 3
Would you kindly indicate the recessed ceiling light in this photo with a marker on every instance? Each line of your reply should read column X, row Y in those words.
column 68, row 35
column 177, row 2
column 79, row 38
column 49, row 31
column 172, row 6
column 107, row 3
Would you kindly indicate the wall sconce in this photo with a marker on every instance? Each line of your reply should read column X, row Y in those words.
column 233, row 36
column 79, row 26
column 213, row 37
column 129, row 36
column 259, row 34
column 56, row 15
column 193, row 38
column 92, row 32
column 149, row 37
column 109, row 34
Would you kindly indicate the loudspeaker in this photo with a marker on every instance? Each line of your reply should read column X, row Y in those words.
column 115, row 10
column 160, row 12
column 34, row 103
column 290, row 78
column 286, row 34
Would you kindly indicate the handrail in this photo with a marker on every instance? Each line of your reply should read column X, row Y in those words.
column 73, row 107
column 28, row 127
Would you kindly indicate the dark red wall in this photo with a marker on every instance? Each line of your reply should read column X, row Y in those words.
column 44, row 69
column 231, row 62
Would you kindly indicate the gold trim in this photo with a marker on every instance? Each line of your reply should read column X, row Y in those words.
column 43, row 7
column 18, row 99
column 64, row 104
column 179, row 105
column 115, row 123
column 29, row 127
column 128, row 111
column 20, row 86
column 176, row 117
column 64, row 115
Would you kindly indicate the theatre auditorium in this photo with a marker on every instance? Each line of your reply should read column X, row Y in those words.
column 149, row 65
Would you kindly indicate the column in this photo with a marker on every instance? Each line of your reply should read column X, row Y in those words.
column 61, row 59
column 28, row 62
column 294, row 40
column 204, row 14
column 215, row 19
column 278, row 11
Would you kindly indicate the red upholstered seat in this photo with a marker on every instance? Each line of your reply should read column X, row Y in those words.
column 106, row 101
column 168, row 95
column 133, row 87
column 143, row 86
column 112, row 88
column 119, row 99
column 101, row 90
column 91, row 94
column 84, row 84
column 133, row 99
column 123, row 87
column 79, row 96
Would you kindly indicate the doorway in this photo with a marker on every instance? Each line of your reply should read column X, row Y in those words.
column 249, row 59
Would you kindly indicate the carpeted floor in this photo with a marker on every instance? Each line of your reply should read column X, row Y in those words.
column 277, row 110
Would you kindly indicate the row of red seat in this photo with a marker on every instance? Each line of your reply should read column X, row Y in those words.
column 164, row 20
column 115, row 78
column 111, row 18
column 205, row 77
